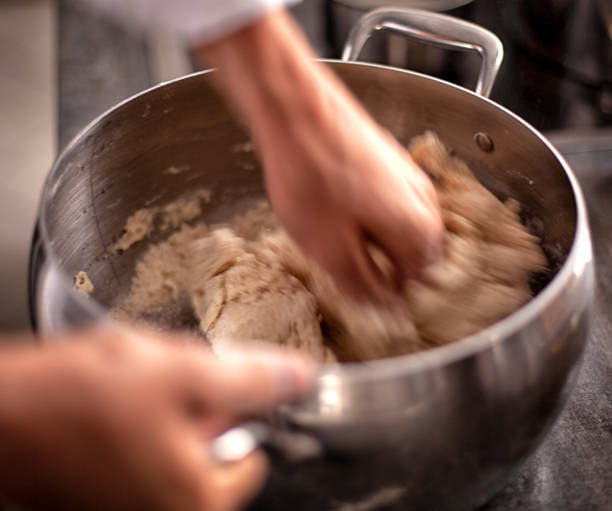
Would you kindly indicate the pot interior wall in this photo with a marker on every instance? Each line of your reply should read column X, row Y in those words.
column 122, row 164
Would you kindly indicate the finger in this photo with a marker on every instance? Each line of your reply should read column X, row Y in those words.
column 353, row 270
column 410, row 234
column 410, row 248
column 246, row 381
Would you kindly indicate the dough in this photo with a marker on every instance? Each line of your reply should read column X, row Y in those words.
column 254, row 282
column 248, row 282
column 241, row 293
column 354, row 331
column 82, row 284
column 159, row 285
column 141, row 223
column 137, row 227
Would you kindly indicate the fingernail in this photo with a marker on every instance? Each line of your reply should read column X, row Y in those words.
column 295, row 376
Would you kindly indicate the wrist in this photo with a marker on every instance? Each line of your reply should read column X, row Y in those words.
column 267, row 71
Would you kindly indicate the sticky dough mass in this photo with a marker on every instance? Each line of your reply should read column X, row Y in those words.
column 249, row 282
column 243, row 291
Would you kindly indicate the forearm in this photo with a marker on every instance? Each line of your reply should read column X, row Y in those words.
column 268, row 73
column 336, row 179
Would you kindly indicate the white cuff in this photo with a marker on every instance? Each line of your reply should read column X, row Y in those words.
column 197, row 21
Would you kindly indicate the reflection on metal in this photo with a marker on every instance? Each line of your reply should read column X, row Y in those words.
column 484, row 142
column 584, row 258
column 330, row 396
column 382, row 498
column 237, row 443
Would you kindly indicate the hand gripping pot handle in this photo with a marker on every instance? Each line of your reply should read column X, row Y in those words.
column 435, row 29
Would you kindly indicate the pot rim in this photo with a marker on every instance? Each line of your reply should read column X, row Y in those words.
column 578, row 259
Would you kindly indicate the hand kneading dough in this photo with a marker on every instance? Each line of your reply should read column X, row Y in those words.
column 250, row 282
column 259, row 285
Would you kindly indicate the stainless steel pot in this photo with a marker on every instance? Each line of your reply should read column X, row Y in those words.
column 441, row 429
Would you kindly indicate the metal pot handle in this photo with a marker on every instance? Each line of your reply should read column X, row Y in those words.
column 435, row 29
column 237, row 443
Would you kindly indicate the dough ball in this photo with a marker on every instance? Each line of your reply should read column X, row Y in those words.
column 355, row 331
column 241, row 297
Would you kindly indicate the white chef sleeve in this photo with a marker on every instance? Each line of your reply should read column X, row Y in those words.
column 197, row 21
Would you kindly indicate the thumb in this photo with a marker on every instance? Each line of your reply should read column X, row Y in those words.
column 252, row 380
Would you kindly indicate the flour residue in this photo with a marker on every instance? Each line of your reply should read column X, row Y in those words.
column 141, row 223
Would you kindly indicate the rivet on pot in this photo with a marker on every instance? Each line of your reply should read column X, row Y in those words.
column 484, row 142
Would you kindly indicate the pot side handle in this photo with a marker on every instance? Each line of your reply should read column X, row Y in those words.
column 435, row 29
column 238, row 442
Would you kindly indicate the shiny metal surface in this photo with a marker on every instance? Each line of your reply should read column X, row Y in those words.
column 441, row 429
column 389, row 48
column 237, row 443
column 433, row 29
column 240, row 441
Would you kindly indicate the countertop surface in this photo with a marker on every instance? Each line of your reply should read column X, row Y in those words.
column 572, row 470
